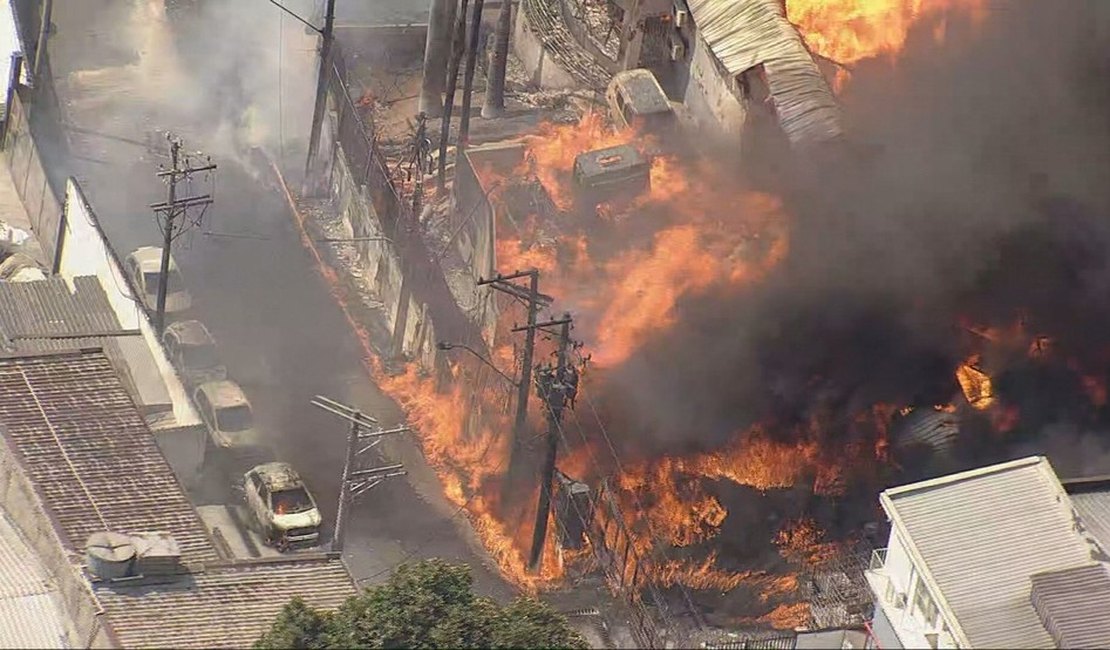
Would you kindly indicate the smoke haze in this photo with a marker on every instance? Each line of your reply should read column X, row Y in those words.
column 982, row 196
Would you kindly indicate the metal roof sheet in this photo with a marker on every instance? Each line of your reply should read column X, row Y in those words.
column 223, row 607
column 745, row 33
column 1094, row 509
column 46, row 308
column 31, row 615
column 1074, row 605
column 977, row 537
column 89, row 453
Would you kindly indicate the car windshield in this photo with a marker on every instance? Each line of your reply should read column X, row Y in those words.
column 200, row 356
column 150, row 280
column 290, row 502
column 234, row 418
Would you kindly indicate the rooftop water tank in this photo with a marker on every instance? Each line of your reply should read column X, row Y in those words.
column 110, row 555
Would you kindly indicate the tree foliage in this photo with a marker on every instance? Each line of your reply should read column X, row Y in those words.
column 430, row 604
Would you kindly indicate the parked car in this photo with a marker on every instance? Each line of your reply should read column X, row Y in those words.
column 227, row 412
column 282, row 506
column 144, row 266
column 635, row 98
column 192, row 350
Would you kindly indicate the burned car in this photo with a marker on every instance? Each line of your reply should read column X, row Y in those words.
column 611, row 174
column 192, row 351
column 281, row 506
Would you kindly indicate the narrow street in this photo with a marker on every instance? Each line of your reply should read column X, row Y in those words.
column 280, row 333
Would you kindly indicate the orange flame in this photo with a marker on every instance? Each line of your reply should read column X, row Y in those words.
column 847, row 31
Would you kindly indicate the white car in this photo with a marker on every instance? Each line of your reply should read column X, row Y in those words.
column 282, row 506
column 144, row 266
column 227, row 412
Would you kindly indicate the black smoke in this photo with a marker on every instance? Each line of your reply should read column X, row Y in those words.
column 976, row 192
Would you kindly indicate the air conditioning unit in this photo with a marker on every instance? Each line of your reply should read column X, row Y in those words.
column 680, row 18
column 678, row 49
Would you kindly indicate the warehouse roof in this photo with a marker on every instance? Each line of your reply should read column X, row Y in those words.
column 745, row 33
column 49, row 308
column 1091, row 499
column 1074, row 605
column 89, row 453
column 226, row 606
column 979, row 536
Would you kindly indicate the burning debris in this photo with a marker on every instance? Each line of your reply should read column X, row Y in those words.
column 762, row 363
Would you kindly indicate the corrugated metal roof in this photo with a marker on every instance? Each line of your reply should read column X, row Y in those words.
column 1074, row 605
column 31, row 615
column 45, row 308
column 746, row 33
column 228, row 607
column 1094, row 509
column 979, row 536
column 89, row 453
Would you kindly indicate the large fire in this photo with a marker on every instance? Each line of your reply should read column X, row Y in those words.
column 849, row 31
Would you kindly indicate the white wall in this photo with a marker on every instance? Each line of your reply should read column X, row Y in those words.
column 9, row 44
column 709, row 95
column 85, row 252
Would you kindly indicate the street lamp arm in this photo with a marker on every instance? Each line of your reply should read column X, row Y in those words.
column 443, row 345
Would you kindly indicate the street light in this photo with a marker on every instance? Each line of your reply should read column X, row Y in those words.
column 444, row 345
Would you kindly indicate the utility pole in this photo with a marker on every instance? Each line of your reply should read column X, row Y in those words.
column 559, row 388
column 468, row 79
column 421, row 150
column 44, row 34
column 321, row 86
column 437, row 49
column 534, row 301
column 357, row 481
column 169, row 211
column 457, row 52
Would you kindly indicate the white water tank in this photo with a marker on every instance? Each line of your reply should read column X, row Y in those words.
column 110, row 555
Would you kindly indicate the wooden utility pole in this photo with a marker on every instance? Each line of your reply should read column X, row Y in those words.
column 558, row 390
column 457, row 51
column 357, row 481
column 534, row 300
column 169, row 212
column 321, row 86
column 468, row 79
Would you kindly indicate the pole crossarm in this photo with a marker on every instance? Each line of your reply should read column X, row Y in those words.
column 342, row 410
column 187, row 202
column 550, row 323
column 185, row 172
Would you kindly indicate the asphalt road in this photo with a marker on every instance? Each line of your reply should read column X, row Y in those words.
column 280, row 333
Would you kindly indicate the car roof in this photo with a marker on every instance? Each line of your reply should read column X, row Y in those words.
column 150, row 258
column 598, row 162
column 191, row 332
column 642, row 91
column 278, row 476
column 224, row 393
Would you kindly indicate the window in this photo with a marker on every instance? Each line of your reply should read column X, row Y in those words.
column 199, row 356
column 290, row 502
column 256, row 483
column 753, row 84
column 150, row 281
column 924, row 605
column 234, row 418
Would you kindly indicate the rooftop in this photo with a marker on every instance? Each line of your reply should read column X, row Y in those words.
column 225, row 606
column 745, row 33
column 84, row 445
column 978, row 538
column 1074, row 605
column 30, row 608
column 1091, row 499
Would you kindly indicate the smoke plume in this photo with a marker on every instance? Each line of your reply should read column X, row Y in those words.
column 976, row 193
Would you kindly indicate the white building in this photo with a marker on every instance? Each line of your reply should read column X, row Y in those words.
column 997, row 557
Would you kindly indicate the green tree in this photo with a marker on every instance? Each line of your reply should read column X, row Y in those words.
column 430, row 604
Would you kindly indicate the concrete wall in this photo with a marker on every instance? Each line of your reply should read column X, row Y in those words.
column 710, row 97
column 22, row 503
column 86, row 251
column 529, row 48
column 29, row 176
column 381, row 266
